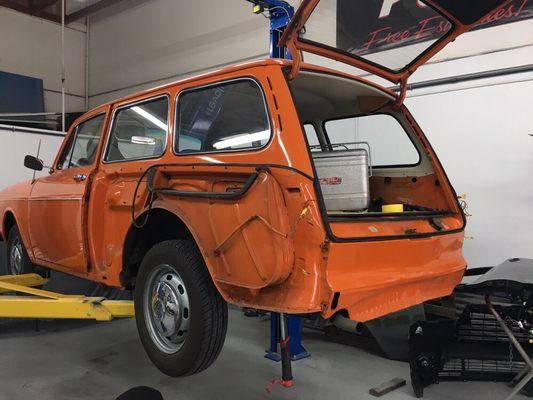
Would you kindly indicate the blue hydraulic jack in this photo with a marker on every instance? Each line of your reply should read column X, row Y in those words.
column 294, row 332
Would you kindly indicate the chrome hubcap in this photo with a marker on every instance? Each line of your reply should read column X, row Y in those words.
column 167, row 309
column 15, row 257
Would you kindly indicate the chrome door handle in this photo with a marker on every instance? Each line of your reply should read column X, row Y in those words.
column 80, row 177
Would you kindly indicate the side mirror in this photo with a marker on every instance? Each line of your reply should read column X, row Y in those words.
column 34, row 163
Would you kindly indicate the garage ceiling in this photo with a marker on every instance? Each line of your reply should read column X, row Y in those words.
column 51, row 9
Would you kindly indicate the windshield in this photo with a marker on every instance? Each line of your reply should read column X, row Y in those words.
column 390, row 34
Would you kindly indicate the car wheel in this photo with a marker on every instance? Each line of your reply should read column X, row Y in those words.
column 18, row 262
column 181, row 317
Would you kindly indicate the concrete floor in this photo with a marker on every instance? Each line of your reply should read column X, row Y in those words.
column 87, row 360
column 70, row 360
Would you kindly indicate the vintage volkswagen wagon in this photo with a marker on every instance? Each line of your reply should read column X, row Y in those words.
column 272, row 184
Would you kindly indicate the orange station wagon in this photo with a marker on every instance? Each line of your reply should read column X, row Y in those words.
column 274, row 184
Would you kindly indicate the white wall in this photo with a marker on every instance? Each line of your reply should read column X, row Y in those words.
column 16, row 143
column 481, row 137
column 143, row 45
column 32, row 46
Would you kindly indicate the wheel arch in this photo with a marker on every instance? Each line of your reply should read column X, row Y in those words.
column 15, row 217
column 9, row 220
column 158, row 225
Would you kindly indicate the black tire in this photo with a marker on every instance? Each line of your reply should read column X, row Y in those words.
column 206, row 314
column 17, row 260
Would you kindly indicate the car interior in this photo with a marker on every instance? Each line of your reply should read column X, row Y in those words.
column 365, row 153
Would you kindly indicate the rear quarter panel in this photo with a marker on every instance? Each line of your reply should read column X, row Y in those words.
column 114, row 183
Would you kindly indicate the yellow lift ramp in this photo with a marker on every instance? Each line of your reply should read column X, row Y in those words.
column 21, row 298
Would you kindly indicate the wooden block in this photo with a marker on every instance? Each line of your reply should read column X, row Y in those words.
column 387, row 387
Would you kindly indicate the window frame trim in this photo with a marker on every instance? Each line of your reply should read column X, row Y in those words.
column 388, row 166
column 130, row 105
column 175, row 139
column 74, row 135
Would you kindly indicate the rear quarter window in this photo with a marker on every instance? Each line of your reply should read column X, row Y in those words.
column 229, row 116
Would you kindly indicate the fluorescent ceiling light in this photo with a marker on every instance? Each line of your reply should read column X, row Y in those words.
column 241, row 139
column 150, row 117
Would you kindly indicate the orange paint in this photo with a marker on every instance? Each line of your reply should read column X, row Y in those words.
column 274, row 248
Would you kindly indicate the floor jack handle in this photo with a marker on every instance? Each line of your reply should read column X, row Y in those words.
column 285, row 350
column 286, row 367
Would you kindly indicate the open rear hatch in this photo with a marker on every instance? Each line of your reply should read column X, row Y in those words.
column 350, row 31
column 370, row 155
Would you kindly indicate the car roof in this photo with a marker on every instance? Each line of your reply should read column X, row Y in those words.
column 238, row 67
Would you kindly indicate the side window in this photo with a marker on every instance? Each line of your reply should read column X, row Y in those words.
column 82, row 146
column 139, row 131
column 225, row 117
column 389, row 143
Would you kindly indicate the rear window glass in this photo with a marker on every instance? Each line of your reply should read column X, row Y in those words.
column 391, row 34
column 225, row 117
column 388, row 141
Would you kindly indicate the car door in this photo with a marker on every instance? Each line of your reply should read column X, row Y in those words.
column 57, row 204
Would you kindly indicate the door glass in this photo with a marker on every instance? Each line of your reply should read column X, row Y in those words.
column 139, row 131
column 83, row 144
column 67, row 152
column 224, row 117
column 388, row 141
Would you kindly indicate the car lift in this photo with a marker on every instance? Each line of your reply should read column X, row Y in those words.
column 280, row 14
column 42, row 304
column 294, row 330
column 284, row 330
